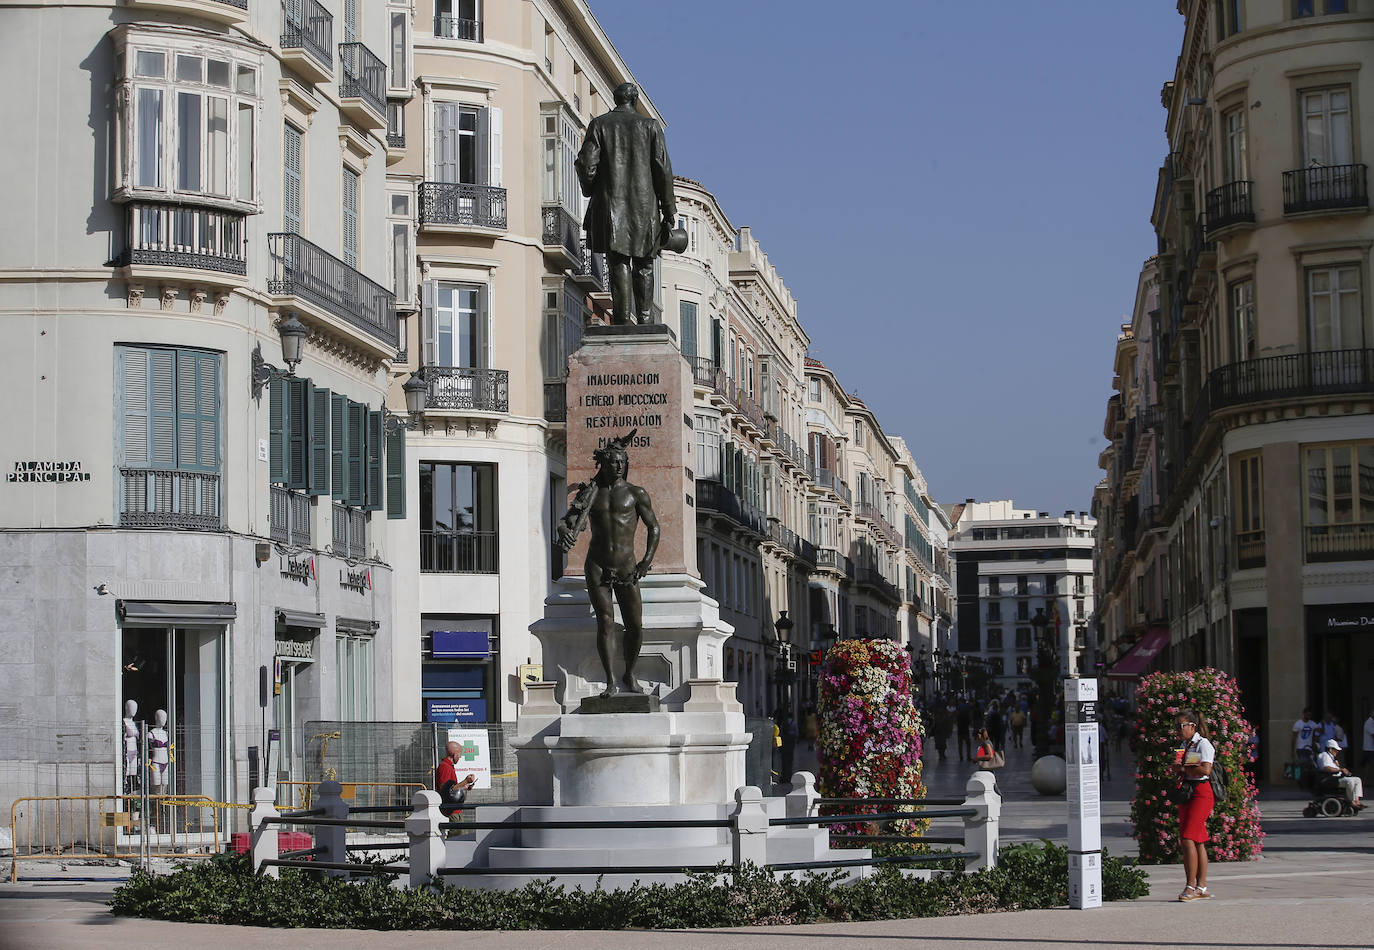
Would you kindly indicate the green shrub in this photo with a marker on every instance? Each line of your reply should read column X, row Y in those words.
column 226, row 891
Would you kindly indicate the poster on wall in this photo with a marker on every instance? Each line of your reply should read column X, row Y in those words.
column 474, row 756
column 456, row 710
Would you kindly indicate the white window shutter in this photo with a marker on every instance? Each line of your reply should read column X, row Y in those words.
column 133, row 366
column 162, row 444
column 429, row 334
column 494, row 115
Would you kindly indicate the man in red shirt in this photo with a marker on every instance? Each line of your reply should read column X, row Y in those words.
column 451, row 790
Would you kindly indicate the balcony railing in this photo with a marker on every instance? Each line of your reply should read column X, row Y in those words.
column 457, row 28
column 1249, row 549
column 349, row 532
column 872, row 578
column 1228, row 205
column 1292, row 375
column 835, row 561
column 364, row 76
column 1353, row 541
column 395, row 140
column 166, row 235
column 590, row 269
column 167, row 498
column 705, row 372
column 556, row 401
column 458, row 552
column 713, row 496
column 307, row 25
column 456, row 204
column 562, row 230
column 290, row 517
column 459, row 387
column 1325, row 188
column 301, row 269
column 870, row 512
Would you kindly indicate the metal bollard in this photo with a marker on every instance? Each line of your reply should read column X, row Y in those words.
column 427, row 848
column 981, row 834
column 264, row 837
column 749, row 827
column 332, row 837
column 801, row 801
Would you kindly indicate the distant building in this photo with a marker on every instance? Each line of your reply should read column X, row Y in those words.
column 1012, row 566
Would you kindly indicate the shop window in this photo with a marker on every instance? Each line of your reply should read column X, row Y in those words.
column 354, row 671
column 458, row 518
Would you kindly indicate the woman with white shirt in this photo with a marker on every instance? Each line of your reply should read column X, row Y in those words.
column 1194, row 759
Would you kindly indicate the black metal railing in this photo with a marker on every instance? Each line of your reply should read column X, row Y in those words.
column 457, row 28
column 711, row 495
column 456, row 203
column 363, row 76
column 395, row 140
column 1352, row 541
column 458, row 552
column 1249, row 549
column 563, row 230
column 238, row 4
column 834, row 560
column 556, row 401
column 460, row 387
column 1325, row 188
column 172, row 235
column 349, row 531
column 1292, row 375
column 168, row 498
column 302, row 269
column 705, row 372
column 872, row 578
column 591, row 268
column 307, row 25
column 289, row 516
column 1228, row 205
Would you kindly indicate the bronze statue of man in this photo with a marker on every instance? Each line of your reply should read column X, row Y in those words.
column 614, row 507
column 624, row 169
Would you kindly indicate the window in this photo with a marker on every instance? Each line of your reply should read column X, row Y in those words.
column 191, row 116
column 996, row 666
column 1326, row 138
column 1022, row 585
column 1243, row 320
column 687, row 319
column 350, row 217
column 458, row 20
column 455, row 325
column 1248, row 509
column 1023, row 665
column 1023, row 638
column 399, row 73
column 561, row 141
column 1340, row 502
column 565, row 316
column 858, row 432
column 168, row 442
column 994, row 611
column 354, row 665
column 396, row 123
column 1333, row 308
column 1080, row 583
column 1023, row 610
column 458, row 518
column 707, row 430
column 813, row 389
column 1235, row 159
column 467, row 144
column 291, row 180
column 994, row 638
column 402, row 254
column 994, row 586
column 1306, row 8
column 1227, row 18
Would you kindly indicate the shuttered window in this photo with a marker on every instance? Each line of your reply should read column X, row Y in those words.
column 338, row 446
column 355, row 460
column 396, row 473
column 375, row 447
column 318, row 478
column 291, row 180
column 297, row 433
column 688, row 340
column 350, row 217
column 298, row 428
column 169, row 403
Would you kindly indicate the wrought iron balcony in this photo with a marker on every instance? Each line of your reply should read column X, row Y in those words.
column 711, row 495
column 830, row 559
column 301, row 269
column 349, row 532
column 457, row 28
column 590, row 269
column 1228, row 205
column 459, row 552
column 362, row 79
column 556, row 401
column 456, row 205
column 870, row 513
column 169, row 498
column 171, row 235
column 289, row 518
column 1351, row 541
column 1293, row 375
column 1250, row 549
column 458, row 387
column 308, row 27
column 562, row 232
column 1325, row 188
column 705, row 372
column 395, row 140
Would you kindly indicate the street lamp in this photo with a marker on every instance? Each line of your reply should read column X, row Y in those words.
column 1046, row 669
column 787, row 664
column 293, row 334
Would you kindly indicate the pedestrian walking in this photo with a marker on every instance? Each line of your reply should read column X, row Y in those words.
column 1194, row 757
column 963, row 721
column 1018, row 726
column 1305, row 737
column 1104, row 751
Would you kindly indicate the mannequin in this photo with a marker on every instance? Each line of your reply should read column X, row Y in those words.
column 159, row 746
column 131, row 784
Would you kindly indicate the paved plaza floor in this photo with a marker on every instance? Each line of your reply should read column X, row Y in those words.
column 1314, row 888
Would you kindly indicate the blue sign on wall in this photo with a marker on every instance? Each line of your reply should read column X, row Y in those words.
column 461, row 643
column 456, row 710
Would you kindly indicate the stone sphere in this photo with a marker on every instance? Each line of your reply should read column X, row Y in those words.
column 1049, row 775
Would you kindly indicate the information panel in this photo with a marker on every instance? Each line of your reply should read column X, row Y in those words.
column 474, row 755
column 1082, row 758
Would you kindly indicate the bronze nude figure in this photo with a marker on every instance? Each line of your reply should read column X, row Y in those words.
column 624, row 169
column 614, row 507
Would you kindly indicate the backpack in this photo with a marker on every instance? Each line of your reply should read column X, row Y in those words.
column 1219, row 782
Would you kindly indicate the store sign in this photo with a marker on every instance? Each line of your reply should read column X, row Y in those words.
column 361, row 581
column 296, row 649
column 456, row 644
column 57, row 472
column 298, row 569
column 456, row 710
column 1341, row 619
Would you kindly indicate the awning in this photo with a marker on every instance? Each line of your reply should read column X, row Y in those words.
column 1131, row 665
column 299, row 618
column 157, row 613
column 355, row 625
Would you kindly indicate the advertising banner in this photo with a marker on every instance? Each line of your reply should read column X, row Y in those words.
column 475, row 755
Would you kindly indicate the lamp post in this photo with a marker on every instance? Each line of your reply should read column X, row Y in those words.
column 787, row 664
column 293, row 334
column 1046, row 669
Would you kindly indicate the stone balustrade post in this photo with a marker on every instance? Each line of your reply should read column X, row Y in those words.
column 749, row 827
column 263, row 846
column 981, row 831
column 427, row 848
column 801, row 801
column 332, row 837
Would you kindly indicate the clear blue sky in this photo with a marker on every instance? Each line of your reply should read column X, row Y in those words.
column 958, row 195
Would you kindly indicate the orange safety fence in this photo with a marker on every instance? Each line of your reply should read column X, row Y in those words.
column 66, row 827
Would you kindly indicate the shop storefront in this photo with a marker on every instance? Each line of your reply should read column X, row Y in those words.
column 459, row 669
column 296, row 685
column 1340, row 644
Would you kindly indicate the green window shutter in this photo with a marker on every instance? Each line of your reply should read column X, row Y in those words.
column 162, row 409
column 338, row 446
column 356, row 458
column 396, row 473
column 197, row 411
column 687, row 338
column 133, row 389
column 318, row 447
column 297, row 433
column 276, row 431
column 375, row 430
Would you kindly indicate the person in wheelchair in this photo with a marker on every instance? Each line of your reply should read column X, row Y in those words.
column 1334, row 778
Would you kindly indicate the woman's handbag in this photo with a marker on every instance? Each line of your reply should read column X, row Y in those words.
column 1181, row 794
column 998, row 760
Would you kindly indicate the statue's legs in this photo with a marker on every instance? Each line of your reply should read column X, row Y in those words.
column 632, row 613
column 632, row 288
column 643, row 279
column 600, row 596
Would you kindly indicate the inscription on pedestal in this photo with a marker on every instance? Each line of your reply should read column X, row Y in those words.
column 617, row 402
column 620, row 703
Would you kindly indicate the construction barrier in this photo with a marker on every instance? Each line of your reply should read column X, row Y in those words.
column 300, row 795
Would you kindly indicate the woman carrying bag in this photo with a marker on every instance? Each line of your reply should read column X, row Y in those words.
column 1194, row 758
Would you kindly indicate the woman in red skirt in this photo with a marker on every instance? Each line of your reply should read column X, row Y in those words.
column 1195, row 760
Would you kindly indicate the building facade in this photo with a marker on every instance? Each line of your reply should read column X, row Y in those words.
column 1262, row 368
column 187, row 517
column 1021, row 576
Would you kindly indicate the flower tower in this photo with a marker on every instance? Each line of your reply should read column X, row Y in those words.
column 1235, row 823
